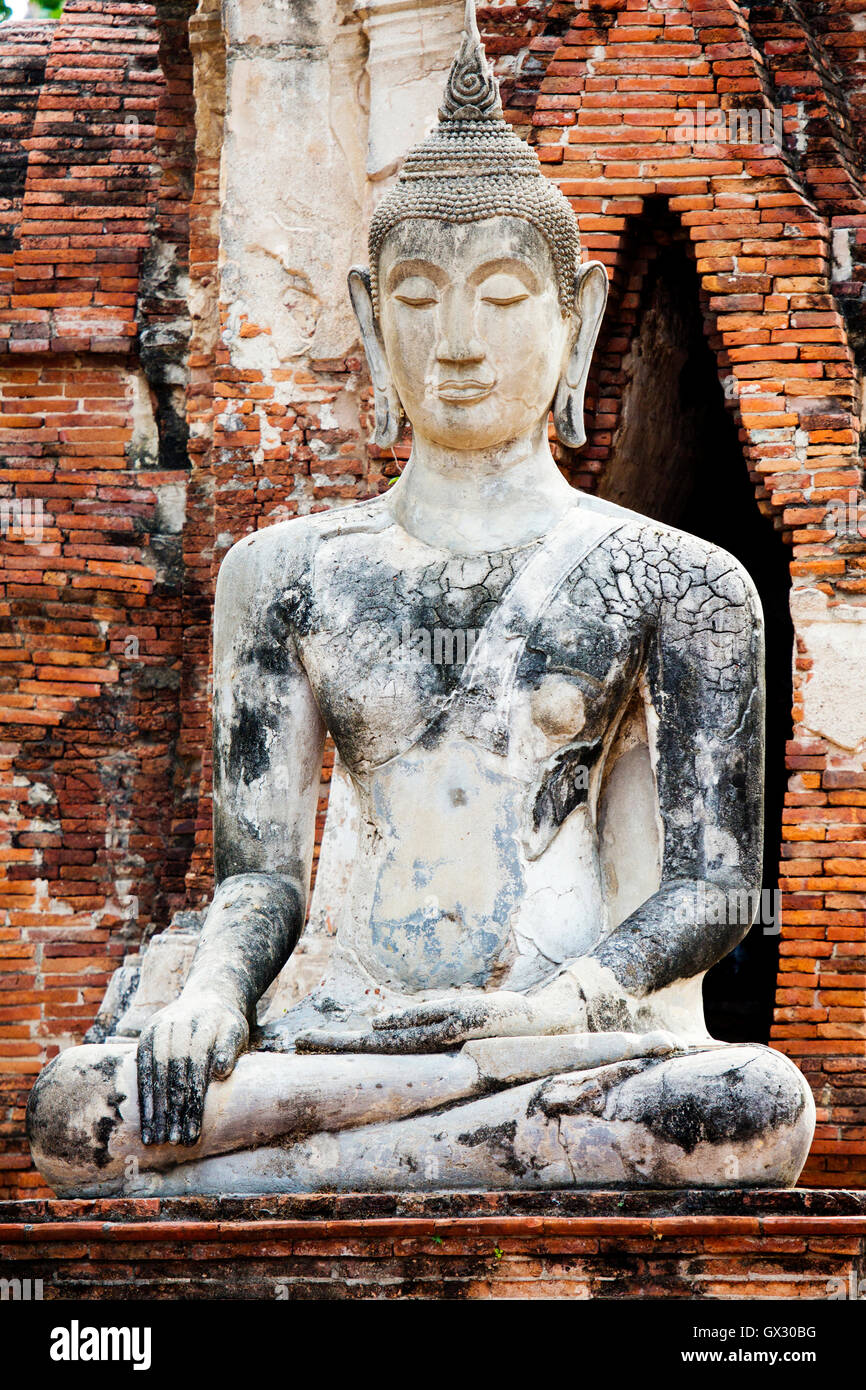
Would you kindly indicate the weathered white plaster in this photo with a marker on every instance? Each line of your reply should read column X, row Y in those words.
column 630, row 830
column 308, row 964
column 284, row 267
column 164, row 968
column 143, row 446
column 834, row 689
column 170, row 508
column 323, row 99
column 411, row 44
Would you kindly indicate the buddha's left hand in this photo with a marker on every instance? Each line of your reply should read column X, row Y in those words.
column 443, row 1025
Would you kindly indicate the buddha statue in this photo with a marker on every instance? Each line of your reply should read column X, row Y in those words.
column 558, row 778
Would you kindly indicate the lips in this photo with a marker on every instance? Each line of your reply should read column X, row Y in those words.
column 465, row 391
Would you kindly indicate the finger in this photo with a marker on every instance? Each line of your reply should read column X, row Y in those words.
column 196, row 1090
column 161, row 1054
column 320, row 1040
column 178, row 1066
column 228, row 1049
column 414, row 1017
column 431, row 1037
column 145, row 1087
column 201, row 1052
column 436, row 1037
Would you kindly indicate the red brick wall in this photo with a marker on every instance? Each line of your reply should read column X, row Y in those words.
column 122, row 746
column 95, row 823
column 90, row 646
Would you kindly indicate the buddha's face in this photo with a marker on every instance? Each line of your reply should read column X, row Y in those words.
column 472, row 328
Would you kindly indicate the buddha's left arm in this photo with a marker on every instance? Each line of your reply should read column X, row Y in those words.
column 705, row 676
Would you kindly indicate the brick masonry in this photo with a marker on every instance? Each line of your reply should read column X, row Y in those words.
column 124, row 416
column 454, row 1246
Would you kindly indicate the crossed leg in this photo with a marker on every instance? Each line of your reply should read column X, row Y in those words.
column 739, row 1116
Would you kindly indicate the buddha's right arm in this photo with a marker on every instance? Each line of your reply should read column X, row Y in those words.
column 268, row 740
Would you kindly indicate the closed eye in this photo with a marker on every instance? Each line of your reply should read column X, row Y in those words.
column 503, row 289
column 417, row 291
column 497, row 299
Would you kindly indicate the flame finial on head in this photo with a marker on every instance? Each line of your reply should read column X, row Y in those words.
column 472, row 92
column 472, row 166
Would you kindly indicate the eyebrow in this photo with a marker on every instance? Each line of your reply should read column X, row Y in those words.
column 414, row 265
column 403, row 269
column 509, row 264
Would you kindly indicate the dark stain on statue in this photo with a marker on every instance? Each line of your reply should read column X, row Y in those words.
column 229, row 857
column 290, row 614
column 50, row 1120
column 565, row 785
column 499, row 1140
column 273, row 657
column 608, row 1014
column 106, row 1125
column 734, row 1106
column 248, row 757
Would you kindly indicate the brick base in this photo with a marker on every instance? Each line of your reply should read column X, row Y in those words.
column 672, row 1245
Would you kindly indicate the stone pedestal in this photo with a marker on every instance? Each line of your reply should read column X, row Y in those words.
column 724, row 1244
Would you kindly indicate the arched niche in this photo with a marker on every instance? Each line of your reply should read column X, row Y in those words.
column 676, row 456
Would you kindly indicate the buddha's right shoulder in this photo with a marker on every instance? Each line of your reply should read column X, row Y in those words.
column 284, row 552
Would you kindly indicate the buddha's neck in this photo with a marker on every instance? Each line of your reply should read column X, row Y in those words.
column 474, row 502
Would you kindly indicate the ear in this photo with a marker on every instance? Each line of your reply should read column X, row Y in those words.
column 590, row 297
column 389, row 412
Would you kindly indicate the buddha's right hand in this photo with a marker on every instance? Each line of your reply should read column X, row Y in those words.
column 184, row 1046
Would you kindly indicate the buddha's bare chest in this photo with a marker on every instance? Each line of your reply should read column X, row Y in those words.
column 391, row 654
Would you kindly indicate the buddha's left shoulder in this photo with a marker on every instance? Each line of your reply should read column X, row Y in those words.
column 678, row 565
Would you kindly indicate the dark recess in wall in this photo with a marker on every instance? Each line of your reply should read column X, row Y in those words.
column 677, row 458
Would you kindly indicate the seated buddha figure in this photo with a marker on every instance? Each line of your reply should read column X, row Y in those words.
column 555, row 815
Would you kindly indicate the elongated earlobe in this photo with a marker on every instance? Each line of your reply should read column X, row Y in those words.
column 590, row 297
column 389, row 412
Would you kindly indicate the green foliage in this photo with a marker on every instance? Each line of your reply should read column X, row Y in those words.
column 52, row 9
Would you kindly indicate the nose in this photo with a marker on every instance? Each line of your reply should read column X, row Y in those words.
column 457, row 340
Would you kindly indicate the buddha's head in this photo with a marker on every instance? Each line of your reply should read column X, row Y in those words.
column 476, row 313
